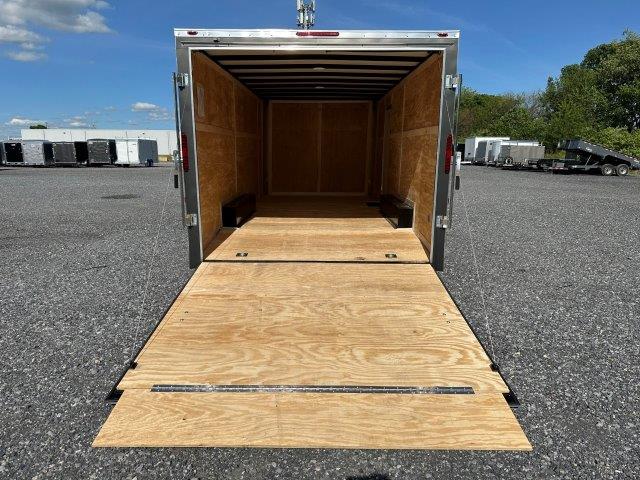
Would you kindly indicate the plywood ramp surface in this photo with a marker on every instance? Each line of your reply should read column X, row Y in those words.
column 314, row 324
column 304, row 420
column 319, row 229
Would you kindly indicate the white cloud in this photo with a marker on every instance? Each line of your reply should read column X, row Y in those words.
column 78, row 16
column 160, row 115
column 19, row 35
column 144, row 107
column 26, row 56
column 154, row 112
column 22, row 122
column 78, row 124
column 18, row 16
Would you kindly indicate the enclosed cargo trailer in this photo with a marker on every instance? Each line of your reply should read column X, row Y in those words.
column 37, row 152
column 136, row 151
column 490, row 158
column 316, row 220
column 519, row 153
column 101, row 152
column 13, row 153
column 64, row 153
column 471, row 146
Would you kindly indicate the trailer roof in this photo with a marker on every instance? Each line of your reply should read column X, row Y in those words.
column 272, row 34
column 318, row 65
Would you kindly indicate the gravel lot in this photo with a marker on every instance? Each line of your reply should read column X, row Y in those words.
column 557, row 259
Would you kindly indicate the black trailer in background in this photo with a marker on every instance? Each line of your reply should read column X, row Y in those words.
column 81, row 152
column 586, row 157
column 102, row 152
column 12, row 153
column 70, row 153
column 64, row 153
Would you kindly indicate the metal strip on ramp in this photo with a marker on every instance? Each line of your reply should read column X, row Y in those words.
column 313, row 355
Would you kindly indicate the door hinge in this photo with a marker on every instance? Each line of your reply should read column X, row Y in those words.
column 190, row 220
column 452, row 82
column 182, row 80
column 442, row 221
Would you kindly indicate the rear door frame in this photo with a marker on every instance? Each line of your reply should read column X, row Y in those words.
column 446, row 42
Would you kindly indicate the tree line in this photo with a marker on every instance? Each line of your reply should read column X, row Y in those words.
column 597, row 100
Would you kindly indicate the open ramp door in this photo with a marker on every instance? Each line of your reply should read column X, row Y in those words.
column 363, row 353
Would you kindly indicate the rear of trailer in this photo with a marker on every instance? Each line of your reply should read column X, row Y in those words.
column 13, row 153
column 136, row 151
column 64, row 154
column 37, row 152
column 317, row 178
column 471, row 146
column 101, row 152
column 490, row 157
column 480, row 157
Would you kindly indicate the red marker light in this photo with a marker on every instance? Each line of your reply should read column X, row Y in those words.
column 311, row 33
column 448, row 154
column 184, row 148
column 192, row 32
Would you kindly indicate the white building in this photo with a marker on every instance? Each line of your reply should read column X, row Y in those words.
column 167, row 141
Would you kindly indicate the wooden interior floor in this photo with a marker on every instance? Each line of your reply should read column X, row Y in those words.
column 313, row 324
column 311, row 228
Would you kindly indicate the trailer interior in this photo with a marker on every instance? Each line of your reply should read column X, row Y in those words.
column 316, row 321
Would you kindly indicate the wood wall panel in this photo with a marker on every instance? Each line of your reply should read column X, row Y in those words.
column 393, row 144
column 344, row 148
column 395, row 104
column 375, row 182
column 228, row 141
column 320, row 147
column 410, row 146
column 247, row 110
column 247, row 150
column 295, row 131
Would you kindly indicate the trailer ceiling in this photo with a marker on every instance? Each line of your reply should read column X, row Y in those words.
column 319, row 75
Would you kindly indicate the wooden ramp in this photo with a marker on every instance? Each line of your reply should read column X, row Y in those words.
column 313, row 354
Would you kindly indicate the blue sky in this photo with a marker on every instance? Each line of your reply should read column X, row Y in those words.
column 108, row 63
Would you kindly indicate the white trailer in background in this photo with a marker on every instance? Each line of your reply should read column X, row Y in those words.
column 37, row 152
column 471, row 145
column 136, row 151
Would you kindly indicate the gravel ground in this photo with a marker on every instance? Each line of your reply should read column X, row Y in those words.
column 556, row 257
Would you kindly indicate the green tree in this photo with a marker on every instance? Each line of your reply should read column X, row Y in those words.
column 616, row 68
column 479, row 111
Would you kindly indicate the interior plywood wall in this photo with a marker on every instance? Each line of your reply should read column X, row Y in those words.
column 320, row 147
column 407, row 130
column 228, row 119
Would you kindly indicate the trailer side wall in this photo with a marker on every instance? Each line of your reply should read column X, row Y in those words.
column 410, row 142
column 228, row 137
